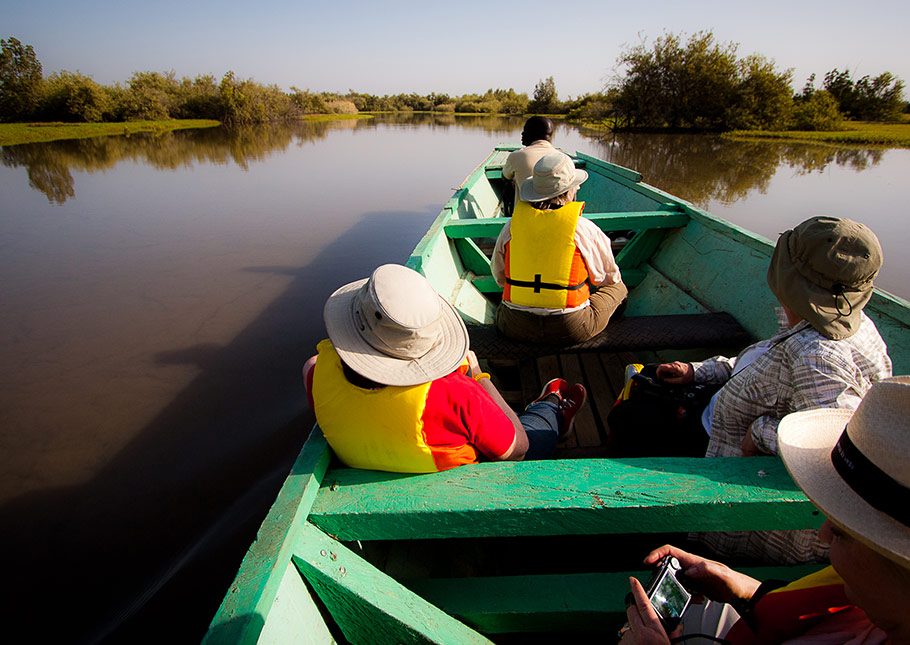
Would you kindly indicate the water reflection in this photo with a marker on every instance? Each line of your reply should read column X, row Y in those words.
column 702, row 168
column 696, row 167
column 50, row 166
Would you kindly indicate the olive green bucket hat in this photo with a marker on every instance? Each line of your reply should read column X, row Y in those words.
column 823, row 269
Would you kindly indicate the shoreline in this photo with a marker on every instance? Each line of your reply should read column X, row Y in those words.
column 893, row 135
column 17, row 133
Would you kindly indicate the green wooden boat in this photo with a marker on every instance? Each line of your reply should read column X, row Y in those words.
column 341, row 555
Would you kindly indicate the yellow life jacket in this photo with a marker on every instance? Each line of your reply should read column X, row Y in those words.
column 375, row 429
column 543, row 266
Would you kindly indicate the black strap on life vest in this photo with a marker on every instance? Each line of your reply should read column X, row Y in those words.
column 537, row 284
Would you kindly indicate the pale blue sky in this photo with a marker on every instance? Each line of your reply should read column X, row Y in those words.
column 392, row 46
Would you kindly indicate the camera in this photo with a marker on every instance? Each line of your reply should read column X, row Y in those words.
column 667, row 594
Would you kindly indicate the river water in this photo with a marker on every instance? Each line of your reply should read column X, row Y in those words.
column 159, row 295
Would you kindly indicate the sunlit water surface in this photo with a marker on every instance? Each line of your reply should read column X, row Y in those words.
column 159, row 295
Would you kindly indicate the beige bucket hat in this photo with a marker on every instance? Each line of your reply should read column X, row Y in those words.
column 823, row 269
column 554, row 174
column 393, row 328
column 856, row 466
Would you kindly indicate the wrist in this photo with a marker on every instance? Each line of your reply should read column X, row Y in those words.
column 481, row 375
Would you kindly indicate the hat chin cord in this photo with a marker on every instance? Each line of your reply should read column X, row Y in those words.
column 837, row 290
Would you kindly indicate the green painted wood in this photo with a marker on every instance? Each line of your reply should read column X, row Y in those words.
column 551, row 603
column 368, row 605
column 722, row 272
column 490, row 227
column 472, row 257
column 294, row 616
column 655, row 295
column 245, row 609
column 590, row 496
column 486, row 284
column 640, row 248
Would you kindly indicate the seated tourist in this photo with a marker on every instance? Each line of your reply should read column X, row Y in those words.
column 560, row 281
column 391, row 390
column 827, row 356
column 537, row 139
column 853, row 466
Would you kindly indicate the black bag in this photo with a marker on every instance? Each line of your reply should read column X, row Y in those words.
column 654, row 419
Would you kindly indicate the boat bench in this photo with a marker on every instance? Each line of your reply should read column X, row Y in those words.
column 679, row 331
column 546, row 498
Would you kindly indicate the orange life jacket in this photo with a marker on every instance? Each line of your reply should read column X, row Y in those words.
column 789, row 611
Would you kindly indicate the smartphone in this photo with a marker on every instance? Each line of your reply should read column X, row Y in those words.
column 667, row 594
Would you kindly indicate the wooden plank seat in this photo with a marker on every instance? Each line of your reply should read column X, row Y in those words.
column 563, row 497
column 679, row 331
column 556, row 498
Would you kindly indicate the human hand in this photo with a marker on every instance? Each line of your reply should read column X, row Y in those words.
column 676, row 373
column 712, row 579
column 748, row 446
column 643, row 626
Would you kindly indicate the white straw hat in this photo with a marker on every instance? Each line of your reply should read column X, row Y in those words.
column 393, row 328
column 554, row 174
column 856, row 466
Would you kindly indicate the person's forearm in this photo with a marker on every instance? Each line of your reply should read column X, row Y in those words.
column 713, row 370
column 764, row 434
column 521, row 437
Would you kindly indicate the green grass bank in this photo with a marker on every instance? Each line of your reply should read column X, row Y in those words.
column 854, row 132
column 15, row 133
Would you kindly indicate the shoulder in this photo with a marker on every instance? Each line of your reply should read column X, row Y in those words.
column 589, row 229
column 457, row 387
column 463, row 396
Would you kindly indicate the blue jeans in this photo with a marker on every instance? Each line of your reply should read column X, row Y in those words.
column 541, row 423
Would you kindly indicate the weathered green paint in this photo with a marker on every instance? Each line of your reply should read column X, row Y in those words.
column 490, row 227
column 472, row 257
column 639, row 249
column 294, row 616
column 551, row 603
column 368, row 605
column 574, row 497
column 246, row 607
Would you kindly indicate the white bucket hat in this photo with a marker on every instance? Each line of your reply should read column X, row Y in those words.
column 856, row 466
column 393, row 328
column 554, row 174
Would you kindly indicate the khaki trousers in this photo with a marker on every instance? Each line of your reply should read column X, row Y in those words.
column 563, row 329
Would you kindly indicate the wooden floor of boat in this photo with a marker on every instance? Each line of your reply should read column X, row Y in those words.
column 520, row 382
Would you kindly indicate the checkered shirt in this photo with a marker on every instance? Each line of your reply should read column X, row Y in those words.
column 801, row 370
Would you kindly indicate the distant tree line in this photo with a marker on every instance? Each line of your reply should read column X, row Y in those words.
column 702, row 84
column 26, row 95
column 697, row 84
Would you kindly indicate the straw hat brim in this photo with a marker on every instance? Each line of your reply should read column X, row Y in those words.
column 370, row 363
column 805, row 442
column 527, row 193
